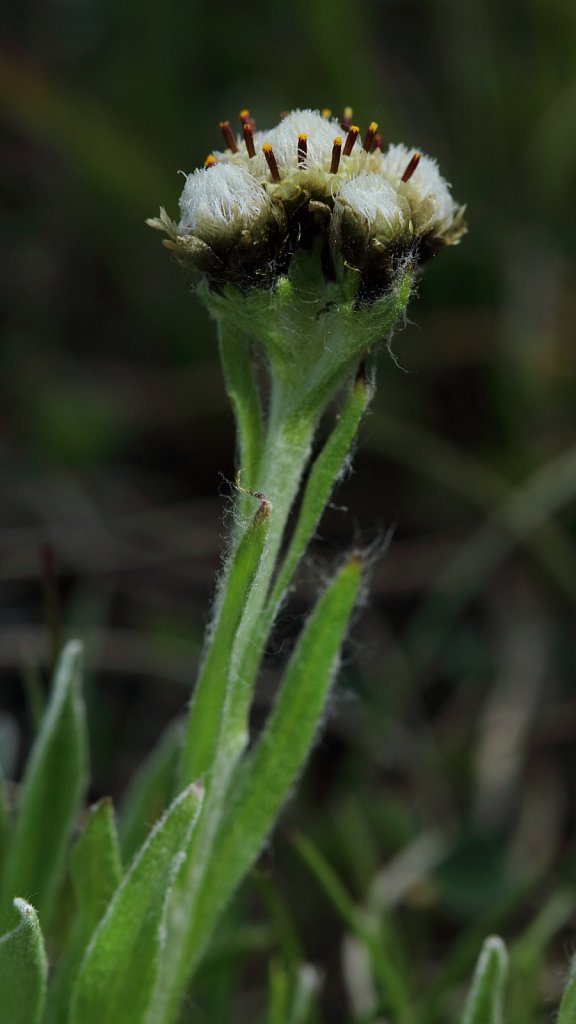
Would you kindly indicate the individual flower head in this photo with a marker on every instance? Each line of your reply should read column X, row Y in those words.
column 227, row 200
column 417, row 178
column 370, row 225
column 229, row 227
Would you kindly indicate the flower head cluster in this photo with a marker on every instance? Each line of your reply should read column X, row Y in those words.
column 311, row 179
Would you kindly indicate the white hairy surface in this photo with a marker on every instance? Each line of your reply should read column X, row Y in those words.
column 222, row 196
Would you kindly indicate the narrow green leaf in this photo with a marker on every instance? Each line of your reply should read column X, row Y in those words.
column 118, row 973
column 96, row 873
column 264, row 781
column 567, row 1014
column 485, row 1000
column 51, row 794
column 291, row 993
column 150, row 791
column 272, row 768
column 203, row 726
column 23, row 969
column 95, row 864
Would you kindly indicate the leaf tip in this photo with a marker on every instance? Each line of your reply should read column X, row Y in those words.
column 24, row 908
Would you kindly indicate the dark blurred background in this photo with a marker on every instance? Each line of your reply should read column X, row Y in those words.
column 455, row 717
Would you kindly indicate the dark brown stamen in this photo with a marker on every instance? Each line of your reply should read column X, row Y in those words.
column 412, row 165
column 351, row 139
column 370, row 135
column 336, row 153
column 271, row 161
column 244, row 116
column 302, row 149
column 248, row 138
column 377, row 143
column 347, row 119
column 210, row 161
column 226, row 129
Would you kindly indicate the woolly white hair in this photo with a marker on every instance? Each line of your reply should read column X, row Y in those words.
column 321, row 132
column 426, row 179
column 220, row 197
column 374, row 199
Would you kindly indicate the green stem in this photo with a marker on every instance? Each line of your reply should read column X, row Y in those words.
column 203, row 726
column 325, row 472
column 242, row 389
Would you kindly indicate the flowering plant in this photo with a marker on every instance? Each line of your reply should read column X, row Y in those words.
column 304, row 243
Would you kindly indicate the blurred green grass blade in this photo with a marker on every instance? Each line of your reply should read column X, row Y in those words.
column 485, row 1000
column 281, row 918
column 306, row 987
column 96, row 872
column 23, row 969
column 118, row 973
column 291, row 993
column 52, row 791
column 150, row 792
column 278, row 994
column 567, row 1014
column 208, row 700
column 392, row 985
column 261, row 785
column 527, row 508
column 479, row 484
column 527, row 955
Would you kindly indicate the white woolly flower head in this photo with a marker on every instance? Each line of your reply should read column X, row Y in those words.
column 319, row 133
column 424, row 183
column 221, row 198
column 375, row 202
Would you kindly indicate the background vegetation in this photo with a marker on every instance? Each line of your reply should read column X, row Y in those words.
column 442, row 794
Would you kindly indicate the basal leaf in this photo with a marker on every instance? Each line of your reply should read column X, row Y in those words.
column 23, row 969
column 51, row 793
column 119, row 970
column 96, row 874
column 485, row 1000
